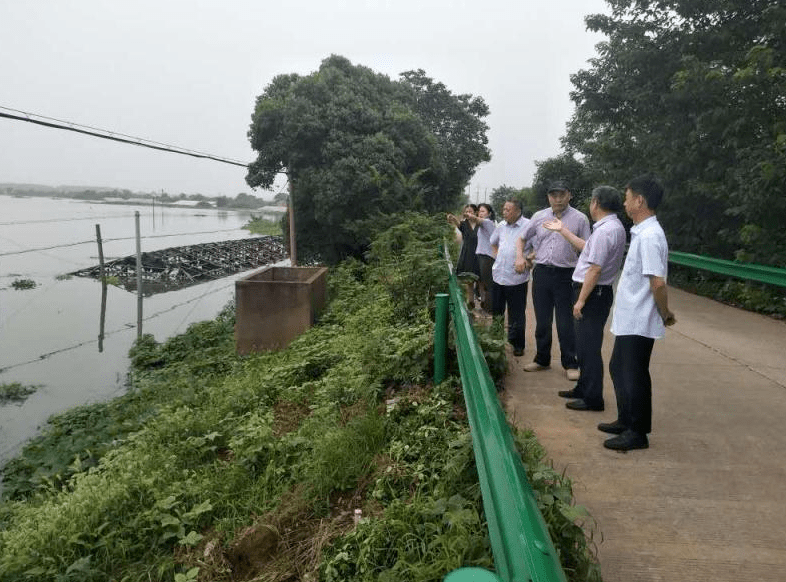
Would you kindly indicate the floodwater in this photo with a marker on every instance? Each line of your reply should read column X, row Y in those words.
column 49, row 335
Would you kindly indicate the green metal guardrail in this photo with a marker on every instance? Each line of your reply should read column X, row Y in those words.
column 522, row 548
column 520, row 541
column 749, row 271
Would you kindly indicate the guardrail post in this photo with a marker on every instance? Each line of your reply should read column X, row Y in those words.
column 440, row 336
column 472, row 575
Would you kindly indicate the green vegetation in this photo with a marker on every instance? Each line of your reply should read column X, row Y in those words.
column 692, row 91
column 356, row 145
column 15, row 392
column 242, row 200
column 264, row 226
column 215, row 467
column 21, row 284
column 562, row 167
column 759, row 297
column 529, row 203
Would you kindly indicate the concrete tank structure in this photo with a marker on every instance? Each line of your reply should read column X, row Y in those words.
column 276, row 304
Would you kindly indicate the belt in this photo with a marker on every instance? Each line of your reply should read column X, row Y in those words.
column 578, row 284
column 553, row 267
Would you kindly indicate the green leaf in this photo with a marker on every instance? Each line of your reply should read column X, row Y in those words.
column 80, row 565
column 169, row 520
column 192, row 539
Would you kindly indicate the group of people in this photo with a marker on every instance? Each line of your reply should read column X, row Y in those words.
column 573, row 268
column 477, row 255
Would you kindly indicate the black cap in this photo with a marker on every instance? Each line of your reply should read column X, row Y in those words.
column 558, row 186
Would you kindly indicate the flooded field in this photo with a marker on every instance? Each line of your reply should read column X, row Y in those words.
column 49, row 334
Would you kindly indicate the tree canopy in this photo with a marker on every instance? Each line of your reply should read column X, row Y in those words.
column 530, row 203
column 694, row 90
column 567, row 169
column 357, row 145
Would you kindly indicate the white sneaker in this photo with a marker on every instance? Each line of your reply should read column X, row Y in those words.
column 535, row 367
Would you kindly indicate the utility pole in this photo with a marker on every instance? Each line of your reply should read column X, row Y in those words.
column 102, row 275
column 138, row 277
column 292, row 241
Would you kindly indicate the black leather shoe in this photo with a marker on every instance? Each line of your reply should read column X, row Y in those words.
column 612, row 427
column 627, row 441
column 569, row 393
column 581, row 405
column 518, row 352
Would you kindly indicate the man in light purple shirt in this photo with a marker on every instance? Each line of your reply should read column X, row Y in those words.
column 598, row 264
column 510, row 286
column 552, row 287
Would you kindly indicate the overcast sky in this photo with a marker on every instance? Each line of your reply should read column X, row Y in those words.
column 187, row 72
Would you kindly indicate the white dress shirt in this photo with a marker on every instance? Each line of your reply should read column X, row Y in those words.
column 504, row 238
column 635, row 312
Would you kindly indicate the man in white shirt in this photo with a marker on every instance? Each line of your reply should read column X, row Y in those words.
column 641, row 314
column 510, row 286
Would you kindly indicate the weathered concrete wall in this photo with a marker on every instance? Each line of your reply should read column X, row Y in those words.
column 276, row 304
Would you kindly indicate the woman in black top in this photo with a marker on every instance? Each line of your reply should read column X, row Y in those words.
column 467, row 266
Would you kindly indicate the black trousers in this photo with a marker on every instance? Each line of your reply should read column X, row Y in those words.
column 589, row 341
column 514, row 297
column 552, row 296
column 630, row 372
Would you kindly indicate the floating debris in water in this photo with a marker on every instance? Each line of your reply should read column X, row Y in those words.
column 15, row 392
column 23, row 284
column 178, row 267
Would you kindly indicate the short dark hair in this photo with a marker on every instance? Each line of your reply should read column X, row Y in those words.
column 488, row 207
column 648, row 186
column 609, row 199
column 517, row 203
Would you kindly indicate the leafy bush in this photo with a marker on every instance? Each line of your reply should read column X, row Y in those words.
column 264, row 226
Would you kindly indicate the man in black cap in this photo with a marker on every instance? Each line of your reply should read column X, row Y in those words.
column 552, row 284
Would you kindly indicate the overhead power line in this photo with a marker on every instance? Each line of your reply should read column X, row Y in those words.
column 111, row 135
column 73, row 219
column 92, row 241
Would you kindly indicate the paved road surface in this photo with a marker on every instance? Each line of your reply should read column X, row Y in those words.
column 707, row 500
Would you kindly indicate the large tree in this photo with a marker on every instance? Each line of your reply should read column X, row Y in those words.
column 356, row 144
column 693, row 90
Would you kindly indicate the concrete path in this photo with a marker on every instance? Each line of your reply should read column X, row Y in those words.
column 707, row 500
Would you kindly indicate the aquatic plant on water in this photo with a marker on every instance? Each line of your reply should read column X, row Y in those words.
column 21, row 284
column 15, row 392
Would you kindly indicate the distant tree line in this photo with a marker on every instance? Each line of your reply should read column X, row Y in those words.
column 241, row 201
